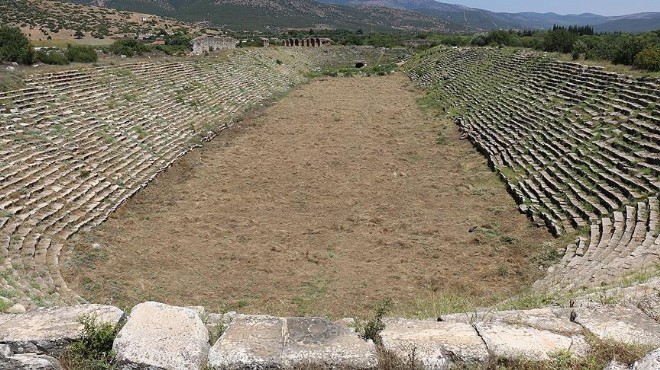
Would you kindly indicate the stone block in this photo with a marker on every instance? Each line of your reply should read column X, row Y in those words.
column 552, row 319
column 29, row 361
column 620, row 323
column 49, row 330
column 437, row 345
column 518, row 341
column 249, row 341
column 159, row 336
column 276, row 342
column 649, row 362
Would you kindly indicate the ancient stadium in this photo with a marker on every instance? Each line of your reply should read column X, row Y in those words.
column 232, row 210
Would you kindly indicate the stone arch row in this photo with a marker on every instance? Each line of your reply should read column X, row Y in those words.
column 308, row 42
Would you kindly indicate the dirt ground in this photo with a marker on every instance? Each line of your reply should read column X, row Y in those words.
column 326, row 203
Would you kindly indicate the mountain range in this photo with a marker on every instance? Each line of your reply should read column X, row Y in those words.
column 376, row 15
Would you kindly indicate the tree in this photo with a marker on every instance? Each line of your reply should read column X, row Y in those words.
column 79, row 34
column 626, row 50
column 15, row 46
column 559, row 39
column 649, row 58
column 501, row 37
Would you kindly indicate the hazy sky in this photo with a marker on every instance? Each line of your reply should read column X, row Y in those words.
column 602, row 7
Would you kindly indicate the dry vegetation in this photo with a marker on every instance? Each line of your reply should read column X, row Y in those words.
column 341, row 195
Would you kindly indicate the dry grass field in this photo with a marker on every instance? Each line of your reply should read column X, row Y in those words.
column 337, row 197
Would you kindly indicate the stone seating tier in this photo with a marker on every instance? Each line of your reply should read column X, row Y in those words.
column 76, row 144
column 577, row 147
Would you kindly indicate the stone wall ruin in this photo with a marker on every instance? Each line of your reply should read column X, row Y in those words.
column 307, row 42
column 203, row 44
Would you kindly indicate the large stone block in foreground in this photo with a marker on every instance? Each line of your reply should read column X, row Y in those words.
column 551, row 319
column 649, row 362
column 621, row 324
column 437, row 345
column 158, row 336
column 518, row 341
column 276, row 342
column 29, row 361
column 48, row 330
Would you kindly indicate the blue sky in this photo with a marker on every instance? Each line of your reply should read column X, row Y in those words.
column 602, row 7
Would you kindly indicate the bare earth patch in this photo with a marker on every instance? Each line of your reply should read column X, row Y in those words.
column 333, row 199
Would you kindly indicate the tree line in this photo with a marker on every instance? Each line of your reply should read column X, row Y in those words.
column 15, row 47
column 641, row 50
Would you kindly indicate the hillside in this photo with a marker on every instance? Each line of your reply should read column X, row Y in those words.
column 376, row 15
column 472, row 19
column 50, row 21
column 281, row 14
column 633, row 23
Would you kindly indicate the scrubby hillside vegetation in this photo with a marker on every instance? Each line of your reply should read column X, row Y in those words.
column 42, row 21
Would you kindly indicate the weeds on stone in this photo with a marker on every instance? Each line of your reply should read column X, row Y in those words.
column 371, row 328
column 550, row 255
column 387, row 360
column 5, row 304
column 93, row 351
column 602, row 352
column 216, row 332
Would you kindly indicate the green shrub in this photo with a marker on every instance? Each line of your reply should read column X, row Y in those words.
column 81, row 54
column 626, row 49
column 128, row 47
column 15, row 46
column 559, row 39
column 371, row 328
column 94, row 350
column 51, row 57
column 649, row 59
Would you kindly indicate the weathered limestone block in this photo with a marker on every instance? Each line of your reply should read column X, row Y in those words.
column 317, row 340
column 552, row 319
column 649, row 362
column 159, row 336
column 514, row 341
column 614, row 365
column 49, row 330
column 651, row 306
column 620, row 323
column 438, row 345
column 249, row 341
column 17, row 308
column 29, row 361
column 276, row 342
